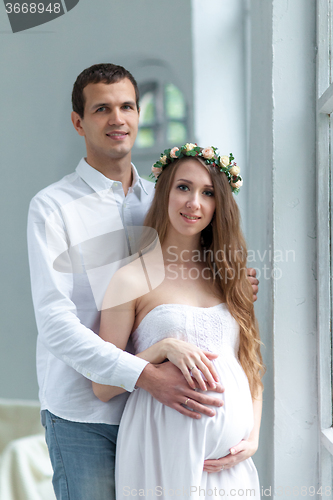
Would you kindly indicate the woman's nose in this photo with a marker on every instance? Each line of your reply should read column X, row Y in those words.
column 193, row 202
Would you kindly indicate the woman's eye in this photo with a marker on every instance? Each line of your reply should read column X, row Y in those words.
column 182, row 187
column 209, row 193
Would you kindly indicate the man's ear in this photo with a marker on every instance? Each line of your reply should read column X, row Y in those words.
column 77, row 122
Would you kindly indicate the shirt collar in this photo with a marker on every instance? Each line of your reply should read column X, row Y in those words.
column 98, row 182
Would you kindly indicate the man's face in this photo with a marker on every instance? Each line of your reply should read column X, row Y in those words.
column 110, row 121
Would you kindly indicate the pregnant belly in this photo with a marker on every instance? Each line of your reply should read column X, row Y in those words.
column 149, row 425
column 234, row 421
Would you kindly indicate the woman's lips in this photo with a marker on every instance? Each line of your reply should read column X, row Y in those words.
column 190, row 218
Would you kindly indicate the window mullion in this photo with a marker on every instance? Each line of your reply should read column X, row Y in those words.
column 324, row 256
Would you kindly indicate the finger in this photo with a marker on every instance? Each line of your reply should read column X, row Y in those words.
column 219, row 388
column 204, row 398
column 199, row 408
column 186, row 411
column 238, row 448
column 210, row 355
column 188, row 377
column 218, row 462
column 251, row 271
column 201, row 373
column 198, row 377
column 210, row 469
column 210, row 366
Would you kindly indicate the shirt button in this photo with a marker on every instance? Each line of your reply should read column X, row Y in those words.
column 122, row 386
column 88, row 374
column 115, row 184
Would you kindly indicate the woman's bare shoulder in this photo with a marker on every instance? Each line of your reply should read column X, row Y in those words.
column 127, row 284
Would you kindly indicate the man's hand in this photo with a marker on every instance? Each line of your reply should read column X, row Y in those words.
column 166, row 383
column 251, row 276
column 245, row 449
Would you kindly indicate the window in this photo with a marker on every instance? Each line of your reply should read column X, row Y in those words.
column 166, row 116
column 324, row 232
column 163, row 117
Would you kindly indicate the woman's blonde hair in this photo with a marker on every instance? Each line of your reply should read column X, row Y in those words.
column 222, row 237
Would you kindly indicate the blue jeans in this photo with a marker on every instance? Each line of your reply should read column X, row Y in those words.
column 83, row 458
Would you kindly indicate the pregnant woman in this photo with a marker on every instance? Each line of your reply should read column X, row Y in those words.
column 201, row 318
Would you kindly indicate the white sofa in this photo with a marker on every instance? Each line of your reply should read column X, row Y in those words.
column 25, row 467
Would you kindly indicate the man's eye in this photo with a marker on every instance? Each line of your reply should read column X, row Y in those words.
column 102, row 108
column 127, row 106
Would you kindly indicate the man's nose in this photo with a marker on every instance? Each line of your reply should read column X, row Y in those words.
column 116, row 117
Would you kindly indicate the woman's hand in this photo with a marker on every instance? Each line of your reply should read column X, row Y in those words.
column 192, row 361
column 243, row 450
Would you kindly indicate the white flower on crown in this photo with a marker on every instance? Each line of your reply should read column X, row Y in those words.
column 224, row 161
column 234, row 170
column 208, row 153
column 173, row 152
column 163, row 160
column 189, row 146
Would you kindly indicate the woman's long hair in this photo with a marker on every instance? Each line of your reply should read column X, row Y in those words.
column 224, row 250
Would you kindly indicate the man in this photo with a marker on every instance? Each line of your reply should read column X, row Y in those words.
column 77, row 229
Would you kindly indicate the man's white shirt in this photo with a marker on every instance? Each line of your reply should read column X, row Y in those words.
column 80, row 229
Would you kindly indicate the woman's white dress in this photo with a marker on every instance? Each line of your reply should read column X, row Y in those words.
column 160, row 452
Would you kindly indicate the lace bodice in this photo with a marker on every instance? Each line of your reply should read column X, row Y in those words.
column 211, row 328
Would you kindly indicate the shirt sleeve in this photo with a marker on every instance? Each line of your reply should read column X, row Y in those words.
column 59, row 327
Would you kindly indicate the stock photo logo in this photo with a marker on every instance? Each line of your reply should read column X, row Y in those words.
column 24, row 15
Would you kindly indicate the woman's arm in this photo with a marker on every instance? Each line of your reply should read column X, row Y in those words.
column 191, row 360
column 243, row 450
column 116, row 326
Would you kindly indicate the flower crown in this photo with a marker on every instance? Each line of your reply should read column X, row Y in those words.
column 210, row 156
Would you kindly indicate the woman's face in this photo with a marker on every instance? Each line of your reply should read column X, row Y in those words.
column 191, row 198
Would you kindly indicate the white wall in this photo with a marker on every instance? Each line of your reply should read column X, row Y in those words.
column 282, row 209
column 38, row 142
column 219, row 66
column 294, row 181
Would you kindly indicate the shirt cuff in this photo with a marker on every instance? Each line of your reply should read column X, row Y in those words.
column 129, row 369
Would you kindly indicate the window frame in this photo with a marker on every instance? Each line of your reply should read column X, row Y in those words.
column 324, row 236
column 160, row 126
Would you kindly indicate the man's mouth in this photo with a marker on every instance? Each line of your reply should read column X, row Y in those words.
column 117, row 135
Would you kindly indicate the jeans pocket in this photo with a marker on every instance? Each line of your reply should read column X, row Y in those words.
column 55, row 419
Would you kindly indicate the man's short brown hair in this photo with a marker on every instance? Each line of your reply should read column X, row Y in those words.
column 105, row 73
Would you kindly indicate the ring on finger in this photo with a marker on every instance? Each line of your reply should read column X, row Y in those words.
column 192, row 368
column 186, row 401
column 222, row 467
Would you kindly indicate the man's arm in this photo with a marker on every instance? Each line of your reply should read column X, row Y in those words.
column 59, row 327
column 166, row 383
